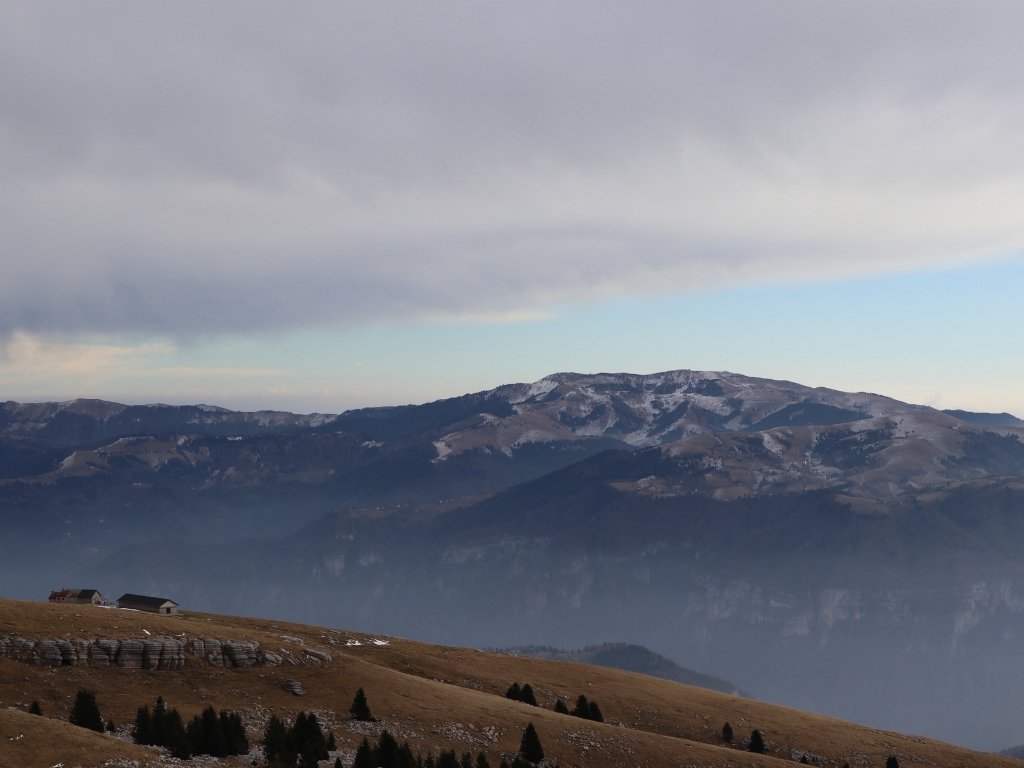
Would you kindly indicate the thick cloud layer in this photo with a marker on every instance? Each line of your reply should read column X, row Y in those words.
column 177, row 168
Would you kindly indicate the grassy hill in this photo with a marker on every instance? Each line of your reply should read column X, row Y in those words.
column 434, row 697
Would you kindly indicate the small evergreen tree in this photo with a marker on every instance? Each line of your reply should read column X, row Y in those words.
column 143, row 731
column 529, row 747
column 514, row 692
column 892, row 762
column 727, row 733
column 526, row 695
column 85, row 712
column 234, row 733
column 560, row 707
column 308, row 739
column 466, row 761
column 277, row 747
column 756, row 742
column 360, row 709
column 337, row 763
column 481, row 761
column 387, row 750
column 594, row 713
column 364, row 756
column 175, row 738
column 158, row 721
column 111, row 728
column 34, row 708
column 582, row 708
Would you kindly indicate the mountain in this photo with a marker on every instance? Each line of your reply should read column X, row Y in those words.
column 433, row 697
column 632, row 658
column 824, row 548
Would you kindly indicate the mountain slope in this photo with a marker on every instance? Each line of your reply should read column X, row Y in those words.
column 435, row 697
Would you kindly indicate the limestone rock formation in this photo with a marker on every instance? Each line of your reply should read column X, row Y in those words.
column 148, row 653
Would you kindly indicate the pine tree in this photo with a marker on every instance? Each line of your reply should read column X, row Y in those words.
column 466, row 761
column 360, row 709
column 175, row 738
column 364, row 756
column 526, row 695
column 111, row 727
column 892, row 762
column 337, row 763
column 514, row 692
column 277, row 747
column 308, row 738
column 481, row 761
column 594, row 713
column 582, row 708
column 560, row 707
column 85, row 712
column 387, row 750
column 157, row 722
column 34, row 708
column 756, row 742
column 143, row 731
column 727, row 733
column 529, row 747
column 448, row 759
column 234, row 733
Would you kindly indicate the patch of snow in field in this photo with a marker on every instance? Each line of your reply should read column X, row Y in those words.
column 352, row 642
column 376, row 641
column 443, row 451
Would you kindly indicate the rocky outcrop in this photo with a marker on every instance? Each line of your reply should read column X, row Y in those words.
column 148, row 653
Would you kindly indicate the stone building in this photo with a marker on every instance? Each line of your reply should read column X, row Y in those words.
column 80, row 596
column 149, row 604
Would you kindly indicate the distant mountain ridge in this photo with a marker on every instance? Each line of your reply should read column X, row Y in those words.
column 631, row 658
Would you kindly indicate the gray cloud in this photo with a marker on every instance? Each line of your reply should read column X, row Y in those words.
column 194, row 167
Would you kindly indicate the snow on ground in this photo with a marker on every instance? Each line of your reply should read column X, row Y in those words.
column 443, row 451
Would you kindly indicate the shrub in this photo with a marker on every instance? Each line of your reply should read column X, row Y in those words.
column 727, row 733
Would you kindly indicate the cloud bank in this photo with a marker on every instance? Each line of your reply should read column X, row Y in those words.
column 193, row 168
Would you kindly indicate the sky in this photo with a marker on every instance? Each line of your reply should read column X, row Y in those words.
column 331, row 205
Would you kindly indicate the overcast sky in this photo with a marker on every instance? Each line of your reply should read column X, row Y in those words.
column 318, row 206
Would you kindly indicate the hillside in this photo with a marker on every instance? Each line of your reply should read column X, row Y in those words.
column 433, row 696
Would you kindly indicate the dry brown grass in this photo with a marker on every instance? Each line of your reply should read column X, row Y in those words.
column 435, row 697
